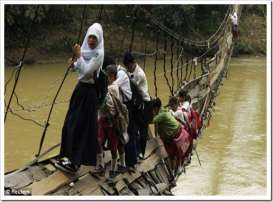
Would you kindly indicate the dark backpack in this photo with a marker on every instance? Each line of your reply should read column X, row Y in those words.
column 101, row 81
column 137, row 100
column 143, row 110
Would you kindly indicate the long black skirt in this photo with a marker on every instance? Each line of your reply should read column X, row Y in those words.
column 79, row 134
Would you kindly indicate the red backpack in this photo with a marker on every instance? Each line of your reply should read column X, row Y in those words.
column 194, row 122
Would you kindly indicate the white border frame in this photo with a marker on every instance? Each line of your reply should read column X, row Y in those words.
column 269, row 102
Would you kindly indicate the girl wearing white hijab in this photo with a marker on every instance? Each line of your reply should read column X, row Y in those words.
column 234, row 20
column 79, row 133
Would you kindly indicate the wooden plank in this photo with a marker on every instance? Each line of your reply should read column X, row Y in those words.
column 56, row 180
column 18, row 180
column 151, row 146
column 87, row 182
column 149, row 163
column 94, row 192
column 59, row 179
column 37, row 173
column 50, row 184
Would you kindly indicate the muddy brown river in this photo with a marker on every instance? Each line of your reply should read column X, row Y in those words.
column 232, row 149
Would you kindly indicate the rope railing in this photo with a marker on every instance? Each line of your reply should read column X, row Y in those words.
column 134, row 20
column 201, row 43
column 190, row 65
column 155, row 64
column 177, row 66
column 188, row 61
column 172, row 44
column 187, row 76
column 164, row 65
column 14, row 71
column 33, row 108
column 60, row 86
column 17, row 74
column 23, row 118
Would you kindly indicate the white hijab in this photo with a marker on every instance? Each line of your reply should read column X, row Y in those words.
column 86, row 52
column 234, row 18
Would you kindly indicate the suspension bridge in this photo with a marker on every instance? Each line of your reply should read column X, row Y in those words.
column 196, row 66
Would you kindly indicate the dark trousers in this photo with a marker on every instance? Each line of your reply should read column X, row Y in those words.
column 130, row 147
column 142, row 138
column 144, row 117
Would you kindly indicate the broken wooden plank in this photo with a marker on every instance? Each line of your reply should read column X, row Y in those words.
column 50, row 184
column 56, row 180
column 18, row 180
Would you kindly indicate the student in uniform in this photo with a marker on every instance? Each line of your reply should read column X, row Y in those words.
column 176, row 139
column 143, row 110
column 175, row 110
column 235, row 30
column 192, row 118
column 108, row 115
column 123, row 82
column 79, row 133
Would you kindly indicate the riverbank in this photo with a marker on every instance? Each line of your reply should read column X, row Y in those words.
column 54, row 45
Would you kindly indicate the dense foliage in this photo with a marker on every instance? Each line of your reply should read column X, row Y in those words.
column 56, row 26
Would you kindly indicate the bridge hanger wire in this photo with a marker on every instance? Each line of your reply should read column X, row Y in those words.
column 133, row 25
column 125, row 33
column 155, row 62
column 145, row 46
column 171, row 48
column 164, row 62
column 150, row 54
column 177, row 66
column 60, row 86
column 31, row 108
column 54, row 101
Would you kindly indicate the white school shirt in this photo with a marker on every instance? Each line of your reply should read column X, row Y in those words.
column 86, row 69
column 123, row 82
column 178, row 114
column 187, row 107
column 138, row 77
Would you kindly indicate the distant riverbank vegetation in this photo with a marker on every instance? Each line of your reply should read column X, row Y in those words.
column 55, row 28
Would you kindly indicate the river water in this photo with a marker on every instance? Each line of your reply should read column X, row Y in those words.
column 232, row 149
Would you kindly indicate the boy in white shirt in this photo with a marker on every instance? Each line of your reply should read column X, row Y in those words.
column 142, row 107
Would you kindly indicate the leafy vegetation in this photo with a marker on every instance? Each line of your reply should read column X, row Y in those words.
column 56, row 26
